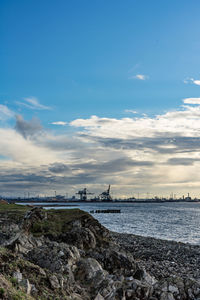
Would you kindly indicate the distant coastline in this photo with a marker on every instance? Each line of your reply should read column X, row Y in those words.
column 31, row 201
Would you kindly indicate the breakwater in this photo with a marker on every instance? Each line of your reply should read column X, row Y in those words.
column 106, row 211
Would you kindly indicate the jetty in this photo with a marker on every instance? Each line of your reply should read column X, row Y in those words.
column 106, row 211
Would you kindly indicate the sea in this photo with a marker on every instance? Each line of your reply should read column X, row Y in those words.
column 168, row 221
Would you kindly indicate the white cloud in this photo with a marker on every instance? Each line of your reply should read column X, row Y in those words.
column 131, row 111
column 178, row 122
column 191, row 100
column 192, row 80
column 61, row 123
column 174, row 134
column 139, row 77
column 33, row 103
column 197, row 82
column 22, row 151
column 5, row 113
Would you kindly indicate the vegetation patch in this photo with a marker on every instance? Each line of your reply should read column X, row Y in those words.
column 56, row 221
column 13, row 212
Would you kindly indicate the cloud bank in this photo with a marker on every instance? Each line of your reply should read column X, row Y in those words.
column 159, row 154
column 192, row 100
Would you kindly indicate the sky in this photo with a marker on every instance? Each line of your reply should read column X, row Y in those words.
column 96, row 92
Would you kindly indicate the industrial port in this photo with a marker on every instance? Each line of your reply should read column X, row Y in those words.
column 84, row 195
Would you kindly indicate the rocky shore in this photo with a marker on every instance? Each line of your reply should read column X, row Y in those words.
column 67, row 254
column 162, row 258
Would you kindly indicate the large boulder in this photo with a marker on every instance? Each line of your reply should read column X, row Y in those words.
column 82, row 238
column 89, row 270
column 115, row 261
column 89, row 232
column 23, row 242
column 57, row 257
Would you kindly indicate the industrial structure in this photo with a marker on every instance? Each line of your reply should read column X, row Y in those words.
column 83, row 194
column 105, row 196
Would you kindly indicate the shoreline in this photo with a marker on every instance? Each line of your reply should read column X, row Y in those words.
column 15, row 201
column 161, row 258
column 68, row 254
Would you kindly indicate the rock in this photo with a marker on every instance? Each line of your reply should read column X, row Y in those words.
column 162, row 259
column 61, row 253
column 167, row 296
column 142, row 275
column 26, row 285
column 54, row 282
column 89, row 231
column 76, row 296
column 115, row 261
column 129, row 293
column 89, row 269
column 34, row 291
column 32, row 216
column 190, row 294
column 81, row 263
column 18, row 276
column 55, row 257
column 99, row 297
column 22, row 242
column 82, row 238
column 42, row 272
column 173, row 289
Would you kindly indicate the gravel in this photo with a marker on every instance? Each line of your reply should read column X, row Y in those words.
column 162, row 258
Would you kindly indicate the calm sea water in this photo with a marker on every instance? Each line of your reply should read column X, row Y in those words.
column 170, row 221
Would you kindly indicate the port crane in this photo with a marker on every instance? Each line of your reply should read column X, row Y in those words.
column 83, row 194
column 105, row 196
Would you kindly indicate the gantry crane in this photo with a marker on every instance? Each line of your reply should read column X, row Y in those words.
column 83, row 194
column 105, row 196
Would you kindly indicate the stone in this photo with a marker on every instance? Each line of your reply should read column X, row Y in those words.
column 173, row 289
column 129, row 293
column 99, row 297
column 116, row 262
column 88, row 269
column 196, row 291
column 26, row 285
column 167, row 296
column 190, row 293
column 92, row 267
column 76, row 296
column 18, row 276
column 164, row 287
column 61, row 253
column 148, row 278
column 49, row 256
column 34, row 291
column 82, row 238
column 42, row 272
column 22, row 242
column 54, row 282
column 129, row 278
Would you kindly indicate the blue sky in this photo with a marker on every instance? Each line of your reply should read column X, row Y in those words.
column 77, row 56
column 122, row 61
